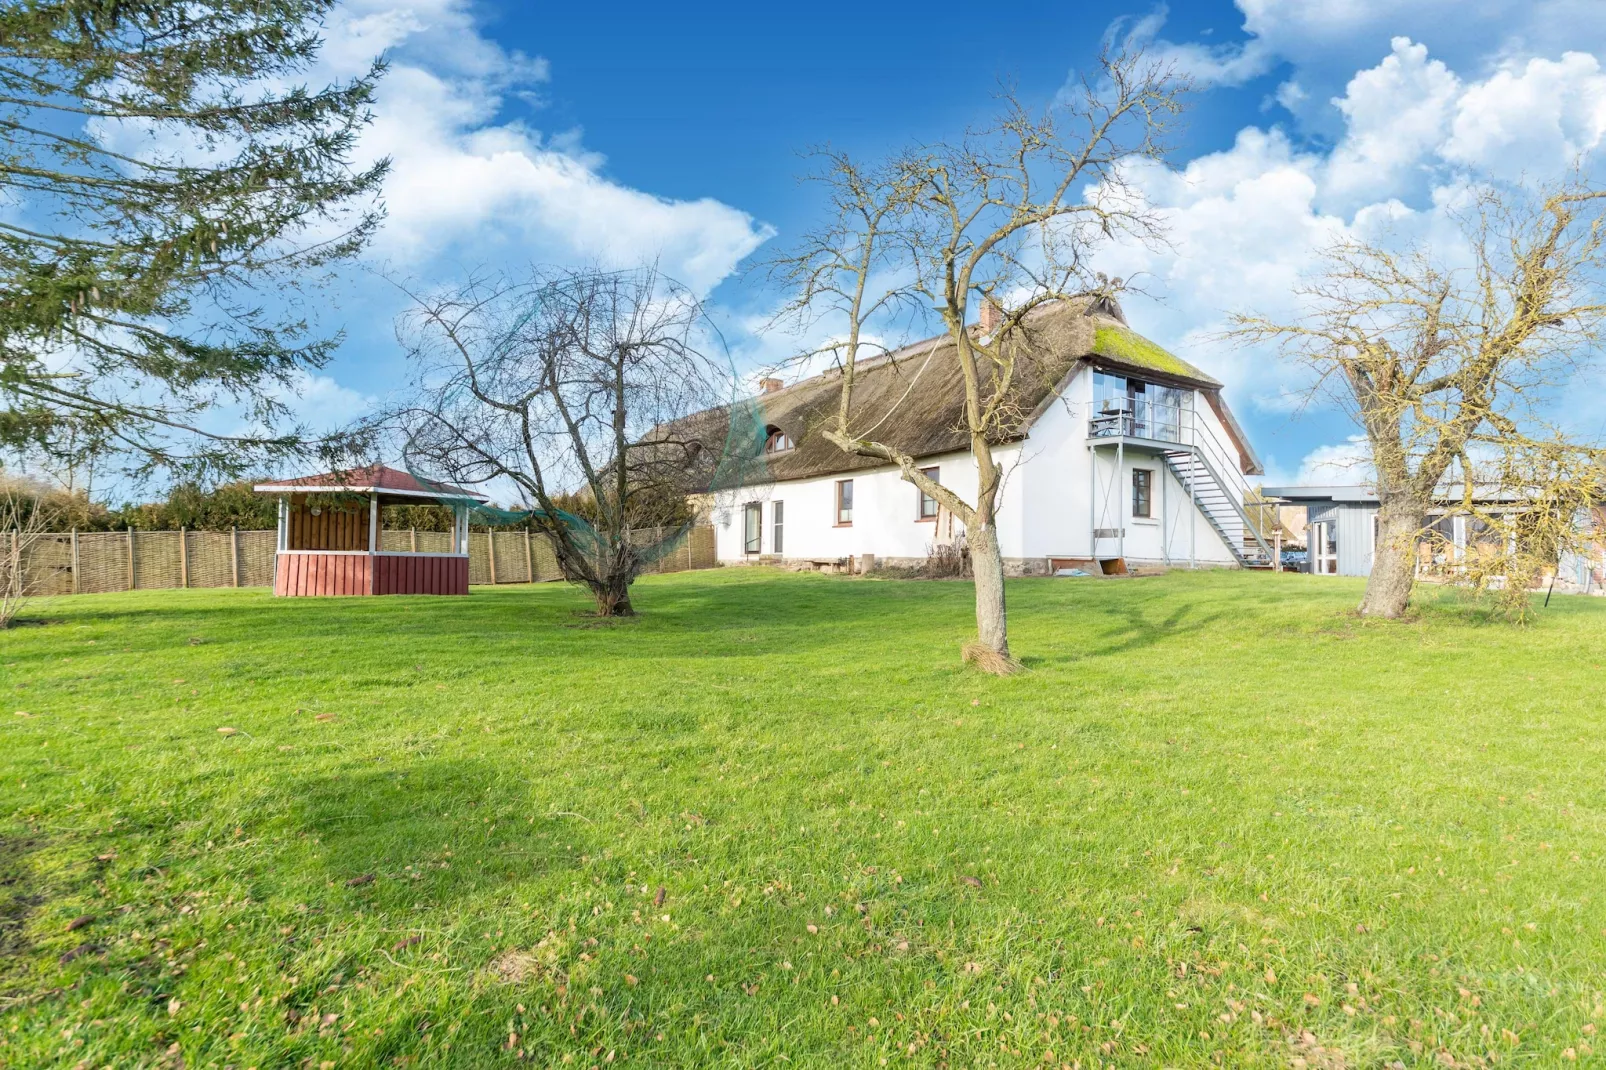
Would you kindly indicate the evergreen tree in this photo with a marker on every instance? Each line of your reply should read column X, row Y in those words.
column 163, row 170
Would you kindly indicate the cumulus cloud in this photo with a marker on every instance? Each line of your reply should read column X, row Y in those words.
column 1325, row 41
column 1247, row 224
column 470, row 183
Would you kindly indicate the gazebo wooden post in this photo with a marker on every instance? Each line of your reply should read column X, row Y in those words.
column 373, row 543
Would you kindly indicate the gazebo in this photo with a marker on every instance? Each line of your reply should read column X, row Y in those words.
column 329, row 535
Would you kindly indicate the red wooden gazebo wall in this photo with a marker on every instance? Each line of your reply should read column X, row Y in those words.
column 353, row 574
column 413, row 574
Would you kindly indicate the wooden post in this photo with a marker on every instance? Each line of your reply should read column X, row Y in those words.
column 490, row 549
column 130, row 557
column 77, row 587
column 234, row 555
column 529, row 557
column 412, row 539
column 183, row 558
column 373, row 523
column 1277, row 543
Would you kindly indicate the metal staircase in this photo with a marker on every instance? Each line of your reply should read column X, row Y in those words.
column 1222, row 502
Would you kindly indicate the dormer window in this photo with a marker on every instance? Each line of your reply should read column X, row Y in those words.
column 777, row 441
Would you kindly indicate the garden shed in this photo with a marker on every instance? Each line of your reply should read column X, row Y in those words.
column 329, row 539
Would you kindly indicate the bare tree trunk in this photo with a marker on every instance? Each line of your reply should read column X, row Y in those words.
column 1388, row 585
column 991, row 649
column 613, row 598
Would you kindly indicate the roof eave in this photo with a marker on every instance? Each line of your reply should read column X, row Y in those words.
column 324, row 488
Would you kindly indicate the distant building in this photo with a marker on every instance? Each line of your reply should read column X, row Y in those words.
column 1341, row 535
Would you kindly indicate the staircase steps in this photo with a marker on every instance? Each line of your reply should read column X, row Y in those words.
column 1223, row 509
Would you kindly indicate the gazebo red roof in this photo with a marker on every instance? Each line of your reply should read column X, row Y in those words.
column 369, row 479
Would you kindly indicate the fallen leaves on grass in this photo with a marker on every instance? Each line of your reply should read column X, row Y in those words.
column 1309, row 1053
column 513, row 967
column 357, row 882
column 227, row 731
column 659, row 897
column 79, row 922
column 324, row 717
column 77, row 952
column 406, row 942
column 974, row 882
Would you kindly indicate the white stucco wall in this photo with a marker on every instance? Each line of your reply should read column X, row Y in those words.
column 1058, row 492
column 885, row 512
column 1047, row 508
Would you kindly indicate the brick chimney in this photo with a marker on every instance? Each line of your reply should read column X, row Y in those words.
column 991, row 316
column 769, row 386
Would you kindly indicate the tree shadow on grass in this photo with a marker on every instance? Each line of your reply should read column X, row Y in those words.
column 1126, row 627
column 398, row 824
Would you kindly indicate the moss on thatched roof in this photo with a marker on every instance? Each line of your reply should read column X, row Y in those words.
column 1125, row 346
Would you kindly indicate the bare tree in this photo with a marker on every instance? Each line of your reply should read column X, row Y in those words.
column 1446, row 368
column 24, row 522
column 575, row 388
column 1007, row 219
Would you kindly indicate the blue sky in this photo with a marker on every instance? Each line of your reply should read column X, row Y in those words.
column 634, row 132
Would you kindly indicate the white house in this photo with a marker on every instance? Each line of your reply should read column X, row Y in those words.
column 1121, row 451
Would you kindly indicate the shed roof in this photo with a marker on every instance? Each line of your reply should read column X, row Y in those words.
column 368, row 479
column 1359, row 494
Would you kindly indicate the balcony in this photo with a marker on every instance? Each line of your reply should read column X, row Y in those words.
column 1143, row 420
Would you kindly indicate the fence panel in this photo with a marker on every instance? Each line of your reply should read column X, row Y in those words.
column 106, row 561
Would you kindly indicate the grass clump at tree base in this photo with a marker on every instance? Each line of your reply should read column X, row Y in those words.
column 1219, row 822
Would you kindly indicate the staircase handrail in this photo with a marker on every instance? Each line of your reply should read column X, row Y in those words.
column 1213, row 453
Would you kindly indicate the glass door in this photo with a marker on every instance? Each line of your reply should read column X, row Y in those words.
column 1324, row 548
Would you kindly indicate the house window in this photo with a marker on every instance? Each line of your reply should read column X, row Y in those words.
column 777, row 441
column 752, row 527
column 844, row 502
column 1142, row 492
column 928, row 504
column 777, row 517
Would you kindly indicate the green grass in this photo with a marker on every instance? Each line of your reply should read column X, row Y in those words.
column 1219, row 822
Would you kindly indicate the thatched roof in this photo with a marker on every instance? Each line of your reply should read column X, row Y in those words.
column 914, row 398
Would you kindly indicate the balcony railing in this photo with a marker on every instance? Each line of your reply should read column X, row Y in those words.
column 1139, row 418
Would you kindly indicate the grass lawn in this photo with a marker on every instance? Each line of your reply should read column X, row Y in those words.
column 774, row 821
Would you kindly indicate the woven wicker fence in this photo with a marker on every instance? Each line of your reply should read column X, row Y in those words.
column 97, row 562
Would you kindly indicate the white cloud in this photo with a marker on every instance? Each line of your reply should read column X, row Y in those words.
column 1538, row 117
column 1345, row 463
column 1247, row 223
column 470, row 184
column 1325, row 39
column 323, row 405
column 1204, row 64
column 1395, row 116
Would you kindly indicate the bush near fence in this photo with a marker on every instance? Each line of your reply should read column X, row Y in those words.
column 101, row 561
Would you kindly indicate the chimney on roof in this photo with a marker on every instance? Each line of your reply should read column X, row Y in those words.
column 991, row 317
column 769, row 386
